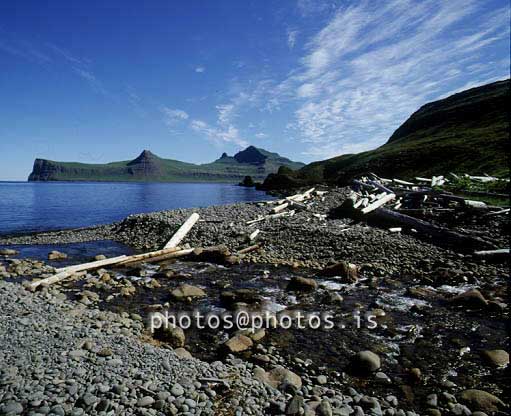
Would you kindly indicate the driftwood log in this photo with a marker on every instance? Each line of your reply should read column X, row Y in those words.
column 66, row 272
column 441, row 235
column 182, row 231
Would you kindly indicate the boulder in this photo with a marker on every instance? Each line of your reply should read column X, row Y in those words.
column 182, row 353
column 238, row 343
column 302, row 284
column 100, row 257
column 471, row 299
column 280, row 376
column 481, row 400
column 345, row 271
column 496, row 358
column 185, row 292
column 365, row 363
column 8, row 252
column 174, row 335
column 57, row 255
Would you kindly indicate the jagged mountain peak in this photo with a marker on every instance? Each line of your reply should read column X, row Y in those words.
column 251, row 155
column 144, row 157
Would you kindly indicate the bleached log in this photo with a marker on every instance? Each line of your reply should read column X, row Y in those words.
column 395, row 229
column 483, row 178
column 258, row 219
column 279, row 208
column 500, row 254
column 254, row 235
column 182, row 231
column 378, row 203
column 502, row 211
column 69, row 271
column 359, row 203
column 475, row 204
column 91, row 265
column 162, row 257
column 144, row 256
column 401, row 182
column 419, row 179
column 283, row 214
column 66, row 272
column 248, row 249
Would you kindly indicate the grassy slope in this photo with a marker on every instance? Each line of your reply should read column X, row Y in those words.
column 465, row 133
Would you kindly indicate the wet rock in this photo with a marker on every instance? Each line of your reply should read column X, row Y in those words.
column 415, row 375
column 423, row 293
column 57, row 255
column 472, row 299
column 496, row 358
column 185, row 291
column 365, row 363
column 100, row 257
column 302, row 284
column 8, row 252
column 481, row 400
column 345, row 271
column 238, row 343
column 217, row 254
column 249, row 296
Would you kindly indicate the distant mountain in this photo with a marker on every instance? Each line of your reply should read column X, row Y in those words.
column 148, row 167
column 467, row 132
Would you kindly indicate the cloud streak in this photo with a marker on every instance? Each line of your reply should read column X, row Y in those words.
column 372, row 65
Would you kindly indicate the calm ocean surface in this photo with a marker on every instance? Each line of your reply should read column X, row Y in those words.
column 38, row 206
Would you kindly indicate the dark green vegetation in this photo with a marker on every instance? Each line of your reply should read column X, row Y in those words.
column 252, row 161
column 467, row 132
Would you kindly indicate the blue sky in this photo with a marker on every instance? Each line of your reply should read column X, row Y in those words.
column 100, row 81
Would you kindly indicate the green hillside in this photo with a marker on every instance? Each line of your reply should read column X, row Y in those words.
column 252, row 161
column 467, row 132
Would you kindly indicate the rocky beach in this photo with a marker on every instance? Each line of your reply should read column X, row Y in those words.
column 424, row 325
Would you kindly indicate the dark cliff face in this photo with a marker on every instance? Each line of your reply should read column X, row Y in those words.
column 43, row 170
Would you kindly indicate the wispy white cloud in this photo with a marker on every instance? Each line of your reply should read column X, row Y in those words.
column 291, row 38
column 219, row 135
column 313, row 7
column 95, row 83
column 373, row 64
column 261, row 135
column 172, row 116
column 200, row 69
column 23, row 49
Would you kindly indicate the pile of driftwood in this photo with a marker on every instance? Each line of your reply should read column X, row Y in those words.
column 171, row 250
column 288, row 206
column 403, row 205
